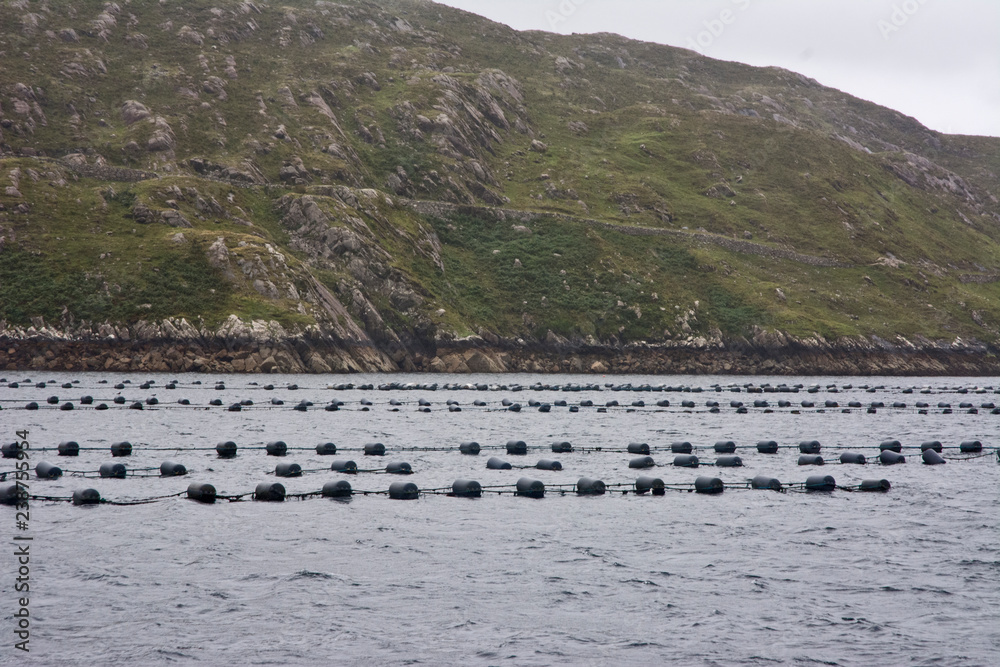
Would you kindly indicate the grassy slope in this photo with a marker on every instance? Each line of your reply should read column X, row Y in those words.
column 660, row 134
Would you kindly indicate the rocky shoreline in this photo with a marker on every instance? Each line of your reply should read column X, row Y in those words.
column 266, row 347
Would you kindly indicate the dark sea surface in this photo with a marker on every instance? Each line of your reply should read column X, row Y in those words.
column 748, row 577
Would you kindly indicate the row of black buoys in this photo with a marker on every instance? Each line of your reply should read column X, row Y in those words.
column 86, row 497
column 809, row 447
column 345, row 466
column 765, row 482
column 46, row 470
column 112, row 470
column 638, row 448
column 203, row 493
column 121, row 448
column 642, row 462
column 852, row 458
column 686, row 461
column 561, row 447
column 548, row 464
column 337, row 489
column 403, row 491
column 725, row 447
column 531, row 488
column 466, row 488
column 889, row 457
column 820, row 483
column 680, row 447
column 276, row 448
column 810, row 460
column 326, row 449
column 374, row 449
column 729, row 461
column 226, row 450
column 287, row 469
column 269, row 492
column 497, row 464
column 585, row 486
column 874, row 485
column 517, row 447
column 69, row 448
column 171, row 469
column 709, row 485
column 767, row 447
column 931, row 457
column 971, row 447
column 654, row 484
column 890, row 445
column 471, row 448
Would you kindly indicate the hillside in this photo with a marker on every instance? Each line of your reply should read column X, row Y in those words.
column 400, row 185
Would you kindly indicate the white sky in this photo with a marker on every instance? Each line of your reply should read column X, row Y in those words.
column 935, row 60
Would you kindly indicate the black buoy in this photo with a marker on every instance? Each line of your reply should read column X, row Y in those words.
column 531, row 488
column 887, row 457
column 585, row 486
column 725, row 447
column 765, row 482
column 809, row 447
column 686, row 461
column 729, row 462
column 226, row 450
column 235, row 407
column 288, row 469
column 820, row 483
column 137, row 405
column 517, row 447
column 466, row 488
column 767, row 447
column 86, row 400
column 931, row 444
column 654, row 484
column 12, row 450
column 561, row 447
column 399, row 468
column 326, row 449
column 638, row 448
column 152, row 400
column 171, row 469
column 203, row 493
column 113, row 470
column 642, row 462
column 119, row 400
column 890, row 445
column 548, row 464
column 276, row 448
column 340, row 488
column 971, row 446
column 66, row 406
column 86, row 497
column 9, row 494
column 497, row 464
column 471, row 448
column 680, row 447
column 121, row 448
column 344, row 466
column 874, row 485
column 31, row 406
column 374, row 449
column 404, row 491
column 709, row 485
column 269, row 492
column 849, row 457
column 47, row 471
column 810, row 460
column 52, row 400
column 932, row 458
column 69, row 448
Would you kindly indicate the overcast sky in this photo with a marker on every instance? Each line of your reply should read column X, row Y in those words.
column 935, row 60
